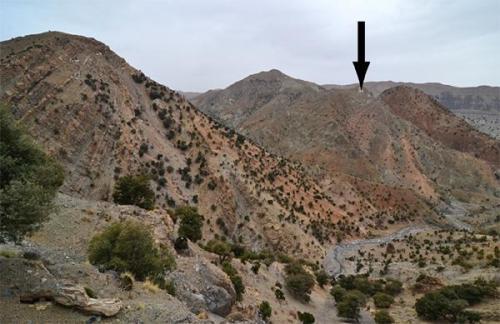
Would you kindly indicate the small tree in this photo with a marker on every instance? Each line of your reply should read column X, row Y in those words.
column 134, row 190
column 129, row 246
column 298, row 281
column 432, row 306
column 237, row 281
column 306, row 318
column 29, row 180
column 191, row 223
column 350, row 305
column 321, row 278
column 383, row 317
column 265, row 310
column 382, row 300
column 393, row 287
column 338, row 293
column 221, row 248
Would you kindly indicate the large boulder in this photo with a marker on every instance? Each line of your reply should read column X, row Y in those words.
column 203, row 286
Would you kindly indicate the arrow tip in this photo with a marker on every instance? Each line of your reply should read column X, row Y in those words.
column 361, row 68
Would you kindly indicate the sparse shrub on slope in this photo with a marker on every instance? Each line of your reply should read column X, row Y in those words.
column 306, row 318
column 383, row 317
column 129, row 246
column 191, row 223
column 338, row 292
column 449, row 303
column 221, row 248
column 29, row 180
column 321, row 277
column 237, row 281
column 265, row 310
column 298, row 281
column 350, row 305
column 134, row 190
column 382, row 300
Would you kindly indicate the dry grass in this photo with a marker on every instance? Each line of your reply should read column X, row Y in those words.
column 151, row 286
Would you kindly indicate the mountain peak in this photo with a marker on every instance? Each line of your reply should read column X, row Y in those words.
column 270, row 75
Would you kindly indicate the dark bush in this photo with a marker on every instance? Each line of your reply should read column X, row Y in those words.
column 143, row 149
column 298, row 281
column 181, row 244
column 449, row 303
column 278, row 293
column 238, row 285
column 139, row 77
column 393, row 287
column 383, row 317
column 134, row 190
column 29, row 180
column 191, row 223
column 338, row 292
column 265, row 310
column 221, row 248
column 350, row 305
column 306, row 318
column 129, row 246
column 321, row 277
column 382, row 300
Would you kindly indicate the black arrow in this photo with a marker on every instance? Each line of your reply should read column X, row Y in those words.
column 361, row 65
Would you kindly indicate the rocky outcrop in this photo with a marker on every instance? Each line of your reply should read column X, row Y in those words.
column 32, row 282
column 203, row 286
column 75, row 296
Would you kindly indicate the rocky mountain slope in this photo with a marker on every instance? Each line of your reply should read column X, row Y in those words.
column 480, row 106
column 400, row 139
column 103, row 119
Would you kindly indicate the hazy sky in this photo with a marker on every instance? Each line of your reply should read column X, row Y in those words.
column 199, row 45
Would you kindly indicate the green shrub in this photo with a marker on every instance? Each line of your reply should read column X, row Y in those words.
column 129, row 246
column 298, row 281
column 221, row 248
column 322, row 278
column 450, row 302
column 382, row 300
column 306, row 318
column 299, row 286
column 265, row 310
column 338, row 292
column 238, row 285
column 393, row 287
column 432, row 306
column 134, row 190
column 350, row 305
column 279, row 294
column 383, row 317
column 191, row 223
column 29, row 180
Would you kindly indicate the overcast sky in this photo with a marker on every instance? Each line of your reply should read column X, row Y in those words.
column 198, row 45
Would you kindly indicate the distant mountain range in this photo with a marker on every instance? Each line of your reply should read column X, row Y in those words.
column 390, row 136
column 480, row 106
